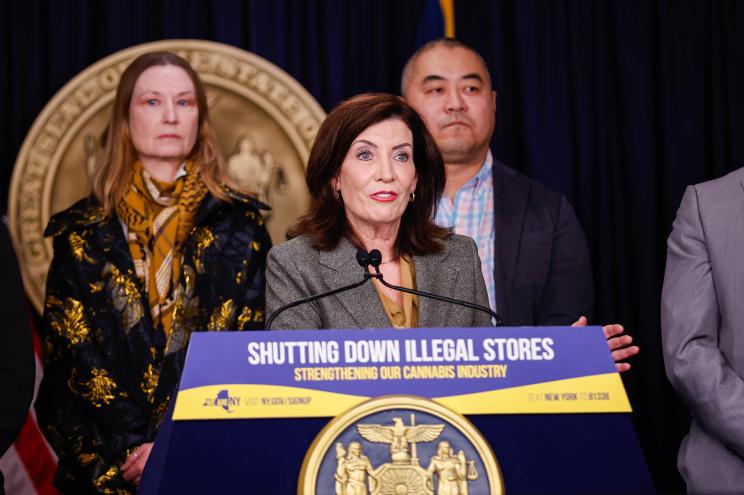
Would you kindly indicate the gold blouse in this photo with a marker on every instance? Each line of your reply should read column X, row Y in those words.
column 407, row 314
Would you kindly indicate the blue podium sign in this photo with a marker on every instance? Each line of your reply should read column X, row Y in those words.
column 321, row 373
column 511, row 413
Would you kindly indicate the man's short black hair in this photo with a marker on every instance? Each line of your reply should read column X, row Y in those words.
column 407, row 74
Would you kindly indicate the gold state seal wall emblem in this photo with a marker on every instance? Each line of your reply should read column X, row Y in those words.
column 265, row 123
column 400, row 445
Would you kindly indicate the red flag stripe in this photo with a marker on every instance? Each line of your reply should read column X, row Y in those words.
column 31, row 446
column 35, row 337
column 35, row 455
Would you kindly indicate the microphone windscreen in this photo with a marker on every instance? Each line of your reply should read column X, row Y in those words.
column 375, row 258
column 362, row 257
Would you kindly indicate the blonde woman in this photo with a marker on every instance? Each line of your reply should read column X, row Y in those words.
column 161, row 248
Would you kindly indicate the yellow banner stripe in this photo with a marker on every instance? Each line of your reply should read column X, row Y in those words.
column 591, row 394
column 588, row 394
column 261, row 401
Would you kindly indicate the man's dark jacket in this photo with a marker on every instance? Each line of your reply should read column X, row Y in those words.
column 542, row 271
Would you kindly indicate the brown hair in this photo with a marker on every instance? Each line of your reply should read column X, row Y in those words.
column 408, row 70
column 325, row 223
column 112, row 176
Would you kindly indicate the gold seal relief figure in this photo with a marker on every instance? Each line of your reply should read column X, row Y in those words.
column 256, row 171
column 453, row 471
column 352, row 470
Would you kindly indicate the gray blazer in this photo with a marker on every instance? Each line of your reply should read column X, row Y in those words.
column 702, row 323
column 295, row 270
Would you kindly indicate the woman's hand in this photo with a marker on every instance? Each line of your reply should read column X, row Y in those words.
column 618, row 344
column 133, row 466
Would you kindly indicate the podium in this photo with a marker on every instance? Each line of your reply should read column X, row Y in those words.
column 547, row 400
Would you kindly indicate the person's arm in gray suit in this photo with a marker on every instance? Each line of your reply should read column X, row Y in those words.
column 284, row 284
column 690, row 321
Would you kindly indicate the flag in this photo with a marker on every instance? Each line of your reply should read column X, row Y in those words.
column 29, row 465
column 448, row 12
column 438, row 21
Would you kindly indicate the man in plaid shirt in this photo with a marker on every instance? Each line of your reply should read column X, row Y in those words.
column 534, row 255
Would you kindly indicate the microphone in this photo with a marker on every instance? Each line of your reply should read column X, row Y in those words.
column 375, row 260
column 363, row 258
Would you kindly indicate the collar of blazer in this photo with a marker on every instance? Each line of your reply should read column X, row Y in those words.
column 433, row 274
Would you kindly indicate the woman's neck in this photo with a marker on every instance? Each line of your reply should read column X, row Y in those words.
column 161, row 170
column 380, row 237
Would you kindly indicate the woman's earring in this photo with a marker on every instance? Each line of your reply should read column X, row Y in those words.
column 412, row 196
column 337, row 194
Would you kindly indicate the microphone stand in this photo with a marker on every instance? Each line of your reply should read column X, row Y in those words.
column 375, row 259
column 364, row 261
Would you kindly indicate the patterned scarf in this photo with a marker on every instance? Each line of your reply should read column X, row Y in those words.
column 159, row 217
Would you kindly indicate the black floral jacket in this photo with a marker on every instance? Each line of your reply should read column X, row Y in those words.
column 108, row 373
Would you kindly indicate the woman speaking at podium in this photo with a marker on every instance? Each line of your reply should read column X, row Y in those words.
column 161, row 248
column 375, row 177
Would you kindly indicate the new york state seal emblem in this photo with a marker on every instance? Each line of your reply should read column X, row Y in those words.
column 400, row 445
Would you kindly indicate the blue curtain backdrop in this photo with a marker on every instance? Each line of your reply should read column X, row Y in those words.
column 617, row 104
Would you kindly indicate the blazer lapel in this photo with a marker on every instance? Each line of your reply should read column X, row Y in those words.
column 510, row 201
column 434, row 275
column 339, row 268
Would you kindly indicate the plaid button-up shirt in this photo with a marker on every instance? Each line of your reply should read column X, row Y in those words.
column 471, row 214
